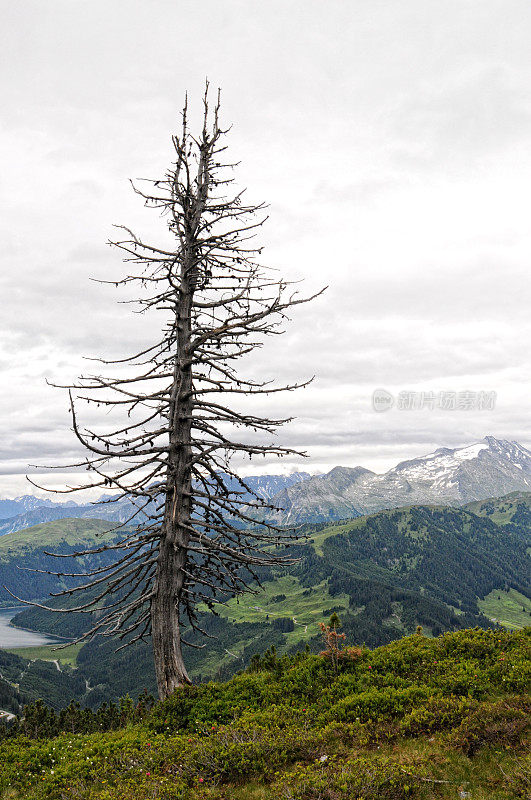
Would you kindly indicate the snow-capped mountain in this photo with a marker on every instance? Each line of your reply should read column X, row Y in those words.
column 26, row 502
column 489, row 468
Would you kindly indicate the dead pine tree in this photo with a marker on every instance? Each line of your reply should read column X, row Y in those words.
column 191, row 538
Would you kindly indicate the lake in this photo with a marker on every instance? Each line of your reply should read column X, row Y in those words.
column 14, row 637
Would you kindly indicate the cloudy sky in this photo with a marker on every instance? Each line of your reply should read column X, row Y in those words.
column 393, row 144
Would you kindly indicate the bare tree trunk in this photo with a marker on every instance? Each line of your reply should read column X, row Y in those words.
column 165, row 626
column 165, row 623
column 167, row 654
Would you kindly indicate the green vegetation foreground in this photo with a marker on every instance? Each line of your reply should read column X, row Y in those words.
column 417, row 718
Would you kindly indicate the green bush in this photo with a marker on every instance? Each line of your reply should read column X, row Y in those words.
column 501, row 723
column 376, row 704
column 293, row 725
column 437, row 714
column 354, row 779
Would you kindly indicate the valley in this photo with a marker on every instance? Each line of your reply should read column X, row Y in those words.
column 440, row 567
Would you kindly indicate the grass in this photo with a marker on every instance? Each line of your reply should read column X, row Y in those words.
column 304, row 606
column 318, row 539
column 68, row 655
column 506, row 608
column 53, row 534
column 500, row 510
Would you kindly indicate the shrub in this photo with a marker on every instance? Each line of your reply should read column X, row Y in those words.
column 291, row 721
column 438, row 714
column 379, row 704
column 502, row 722
column 359, row 778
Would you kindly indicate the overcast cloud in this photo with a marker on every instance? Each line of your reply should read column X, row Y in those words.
column 393, row 144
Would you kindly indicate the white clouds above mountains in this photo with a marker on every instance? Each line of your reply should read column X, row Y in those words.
column 391, row 141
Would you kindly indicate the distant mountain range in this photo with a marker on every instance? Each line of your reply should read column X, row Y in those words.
column 490, row 468
column 267, row 486
column 26, row 503
column 26, row 511
column 50, row 512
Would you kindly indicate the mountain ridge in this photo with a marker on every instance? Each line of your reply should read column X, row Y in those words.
column 384, row 573
column 489, row 468
column 27, row 511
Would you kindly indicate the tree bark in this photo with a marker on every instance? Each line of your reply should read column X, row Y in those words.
column 165, row 623
column 170, row 670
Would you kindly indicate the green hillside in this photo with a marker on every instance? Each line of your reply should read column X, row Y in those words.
column 510, row 609
column 23, row 681
column 29, row 549
column 444, row 553
column 385, row 574
column 418, row 719
column 390, row 571
column 61, row 532
column 514, row 507
column 58, row 624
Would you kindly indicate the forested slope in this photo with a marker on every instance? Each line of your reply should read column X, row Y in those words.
column 25, row 556
column 385, row 574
